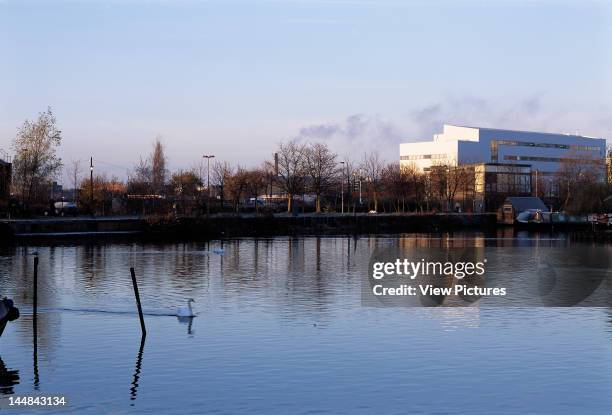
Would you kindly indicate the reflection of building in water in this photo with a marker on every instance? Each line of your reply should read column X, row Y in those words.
column 8, row 379
column 452, row 318
column 445, row 240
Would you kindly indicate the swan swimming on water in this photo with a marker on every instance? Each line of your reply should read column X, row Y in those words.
column 186, row 311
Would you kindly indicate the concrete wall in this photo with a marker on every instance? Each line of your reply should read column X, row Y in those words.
column 428, row 148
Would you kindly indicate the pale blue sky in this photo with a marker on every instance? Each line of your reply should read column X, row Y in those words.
column 233, row 78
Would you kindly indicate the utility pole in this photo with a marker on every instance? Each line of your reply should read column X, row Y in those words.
column 208, row 157
column 91, row 185
column 342, row 185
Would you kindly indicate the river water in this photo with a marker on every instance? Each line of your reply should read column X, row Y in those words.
column 281, row 328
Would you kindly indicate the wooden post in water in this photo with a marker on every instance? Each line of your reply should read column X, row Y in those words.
column 35, row 324
column 35, row 296
column 137, row 295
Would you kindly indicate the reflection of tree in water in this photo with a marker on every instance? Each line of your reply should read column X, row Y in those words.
column 8, row 379
column 609, row 319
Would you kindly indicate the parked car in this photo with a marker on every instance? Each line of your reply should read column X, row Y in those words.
column 62, row 209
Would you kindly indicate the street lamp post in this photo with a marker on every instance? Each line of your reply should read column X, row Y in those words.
column 91, row 204
column 342, row 186
column 208, row 157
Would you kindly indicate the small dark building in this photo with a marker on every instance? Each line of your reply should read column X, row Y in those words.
column 514, row 205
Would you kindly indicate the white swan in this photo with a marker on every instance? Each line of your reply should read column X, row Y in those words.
column 186, row 311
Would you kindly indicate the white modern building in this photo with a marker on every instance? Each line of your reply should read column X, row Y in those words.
column 458, row 145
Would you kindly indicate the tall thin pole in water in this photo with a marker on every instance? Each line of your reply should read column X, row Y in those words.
column 135, row 284
column 35, row 324
column 35, row 294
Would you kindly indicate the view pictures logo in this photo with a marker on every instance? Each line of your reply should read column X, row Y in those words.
column 413, row 269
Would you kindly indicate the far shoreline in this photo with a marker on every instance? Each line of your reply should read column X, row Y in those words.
column 219, row 226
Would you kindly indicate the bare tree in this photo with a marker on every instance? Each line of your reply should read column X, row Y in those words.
column 291, row 169
column 372, row 166
column 149, row 176
column 36, row 161
column 139, row 181
column 236, row 186
column 417, row 184
column 185, row 185
column 158, row 166
column 395, row 183
column 580, row 182
column 448, row 180
column 222, row 174
column 74, row 173
column 256, row 184
column 349, row 170
column 321, row 166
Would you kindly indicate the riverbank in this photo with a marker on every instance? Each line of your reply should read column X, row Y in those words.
column 218, row 226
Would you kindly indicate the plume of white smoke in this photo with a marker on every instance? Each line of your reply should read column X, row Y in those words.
column 361, row 133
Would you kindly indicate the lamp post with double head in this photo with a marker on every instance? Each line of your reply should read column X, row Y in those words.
column 208, row 157
column 91, row 198
column 342, row 185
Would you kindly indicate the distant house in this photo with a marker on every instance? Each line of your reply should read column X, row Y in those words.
column 5, row 181
column 514, row 205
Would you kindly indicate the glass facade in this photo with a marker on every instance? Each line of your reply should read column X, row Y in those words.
column 548, row 159
column 496, row 143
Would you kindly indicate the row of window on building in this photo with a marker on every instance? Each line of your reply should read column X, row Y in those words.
column 424, row 157
column 544, row 145
column 496, row 143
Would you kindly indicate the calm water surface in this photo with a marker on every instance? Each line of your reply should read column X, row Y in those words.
column 281, row 329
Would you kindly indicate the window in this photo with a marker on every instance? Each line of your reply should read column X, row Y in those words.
column 424, row 157
column 547, row 159
column 494, row 151
column 496, row 143
column 545, row 145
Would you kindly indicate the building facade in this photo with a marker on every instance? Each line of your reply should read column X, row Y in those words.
column 494, row 182
column 544, row 152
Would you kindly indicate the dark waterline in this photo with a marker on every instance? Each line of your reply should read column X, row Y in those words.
column 281, row 329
